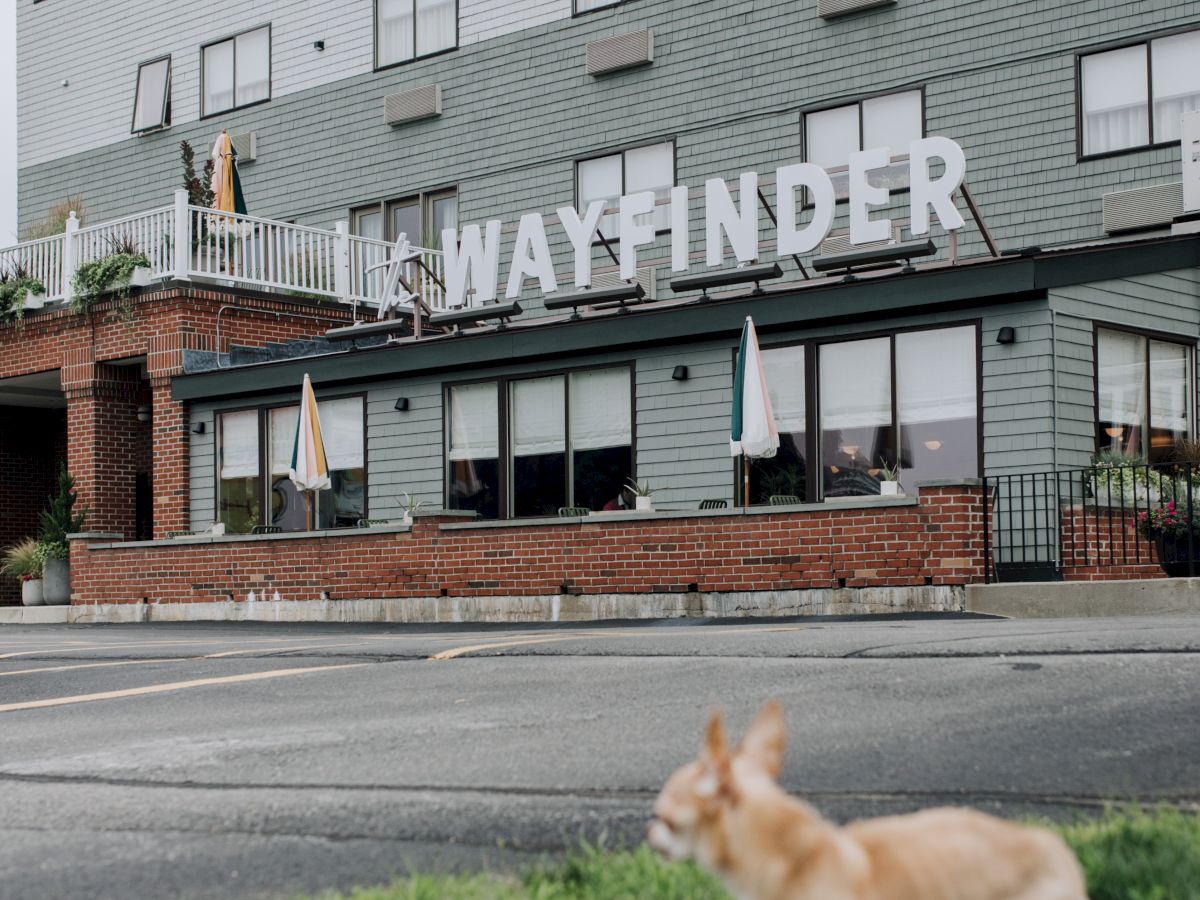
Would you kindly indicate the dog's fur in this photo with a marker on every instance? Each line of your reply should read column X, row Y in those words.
column 726, row 811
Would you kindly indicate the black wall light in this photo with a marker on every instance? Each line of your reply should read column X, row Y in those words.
column 318, row 45
column 1006, row 335
column 198, row 428
column 402, row 404
column 680, row 373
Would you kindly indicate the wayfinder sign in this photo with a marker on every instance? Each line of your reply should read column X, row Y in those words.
column 474, row 257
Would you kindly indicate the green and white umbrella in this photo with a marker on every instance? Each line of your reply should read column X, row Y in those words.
column 752, row 434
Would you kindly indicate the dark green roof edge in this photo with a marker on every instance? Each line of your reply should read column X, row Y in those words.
column 1008, row 279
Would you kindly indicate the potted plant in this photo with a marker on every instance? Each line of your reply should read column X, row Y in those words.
column 1176, row 536
column 123, row 268
column 411, row 506
column 642, row 492
column 889, row 484
column 19, row 292
column 58, row 520
column 1119, row 476
column 23, row 561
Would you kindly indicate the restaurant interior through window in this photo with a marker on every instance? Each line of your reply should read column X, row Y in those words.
column 910, row 398
column 1143, row 388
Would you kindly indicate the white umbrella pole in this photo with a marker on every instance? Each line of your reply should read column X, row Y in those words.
column 745, row 480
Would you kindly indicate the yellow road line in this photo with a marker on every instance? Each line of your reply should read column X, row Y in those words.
column 171, row 686
column 135, row 644
column 277, row 650
column 124, row 662
column 455, row 652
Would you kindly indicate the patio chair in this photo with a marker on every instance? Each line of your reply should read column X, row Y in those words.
column 394, row 280
column 177, row 534
column 567, row 512
column 266, row 529
column 784, row 500
column 713, row 504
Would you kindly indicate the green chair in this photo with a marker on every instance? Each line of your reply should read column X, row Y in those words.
column 713, row 504
column 567, row 512
column 784, row 500
column 266, row 529
column 175, row 534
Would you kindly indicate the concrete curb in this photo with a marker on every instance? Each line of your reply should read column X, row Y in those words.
column 556, row 608
column 1086, row 599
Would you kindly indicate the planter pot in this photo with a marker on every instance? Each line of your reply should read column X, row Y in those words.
column 642, row 504
column 34, row 301
column 140, row 277
column 57, row 588
column 889, row 489
column 31, row 592
column 1176, row 558
column 406, row 519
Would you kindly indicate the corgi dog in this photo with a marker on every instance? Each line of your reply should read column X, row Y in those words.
column 726, row 811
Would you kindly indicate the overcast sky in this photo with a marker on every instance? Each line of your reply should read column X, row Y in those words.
column 8, row 118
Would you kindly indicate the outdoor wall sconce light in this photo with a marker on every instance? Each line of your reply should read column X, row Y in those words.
column 680, row 373
column 318, row 45
column 401, row 404
column 1006, row 335
column 143, row 413
column 198, row 428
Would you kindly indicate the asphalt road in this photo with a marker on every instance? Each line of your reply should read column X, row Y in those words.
column 257, row 760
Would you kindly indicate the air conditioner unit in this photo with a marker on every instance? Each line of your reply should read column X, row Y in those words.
column 828, row 9
column 621, row 51
column 839, row 242
column 413, row 105
column 647, row 277
column 246, row 146
column 1144, row 207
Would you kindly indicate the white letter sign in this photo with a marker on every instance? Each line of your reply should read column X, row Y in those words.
column 580, row 234
column 862, row 229
column 531, row 257
column 475, row 262
column 787, row 180
column 721, row 215
column 939, row 194
column 634, row 235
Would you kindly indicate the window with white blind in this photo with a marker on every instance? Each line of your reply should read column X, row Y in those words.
column 236, row 72
column 409, row 29
column 609, row 177
column 891, row 120
column 1143, row 394
column 1133, row 97
column 152, row 97
column 582, row 6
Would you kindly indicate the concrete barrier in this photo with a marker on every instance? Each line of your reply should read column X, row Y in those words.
column 1085, row 599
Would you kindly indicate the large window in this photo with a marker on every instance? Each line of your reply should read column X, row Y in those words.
column 236, row 72
column 152, row 97
column 255, row 450
column 1143, row 394
column 1134, row 96
column 568, row 442
column 421, row 217
column 408, row 29
column 909, row 398
column 892, row 121
column 610, row 177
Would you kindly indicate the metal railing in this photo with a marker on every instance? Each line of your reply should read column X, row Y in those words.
column 1113, row 520
column 188, row 242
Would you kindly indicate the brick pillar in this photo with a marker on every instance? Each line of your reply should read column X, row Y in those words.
column 102, row 439
column 171, row 483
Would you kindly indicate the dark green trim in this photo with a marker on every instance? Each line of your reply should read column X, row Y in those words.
column 990, row 282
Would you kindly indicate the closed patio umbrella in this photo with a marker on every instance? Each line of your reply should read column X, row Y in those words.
column 309, row 469
column 226, row 183
column 753, row 434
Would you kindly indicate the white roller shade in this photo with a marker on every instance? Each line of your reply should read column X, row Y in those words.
column 435, row 25
column 856, row 384
column 342, row 428
column 1176, row 80
column 1122, row 378
column 239, row 444
column 283, row 437
column 784, row 367
column 600, row 409
column 1169, row 387
column 831, row 135
column 936, row 375
column 474, row 422
column 538, row 416
column 253, row 66
column 394, row 31
column 893, row 121
column 1115, row 95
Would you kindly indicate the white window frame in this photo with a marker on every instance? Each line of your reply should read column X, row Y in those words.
column 610, row 216
column 206, row 113
column 858, row 104
column 380, row 64
column 1148, row 44
column 165, row 118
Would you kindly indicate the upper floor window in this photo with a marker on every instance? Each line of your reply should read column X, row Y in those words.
column 1143, row 394
column 582, row 6
column 152, row 99
column 408, row 29
column 236, row 72
column 610, row 177
column 1133, row 97
column 420, row 218
column 891, row 120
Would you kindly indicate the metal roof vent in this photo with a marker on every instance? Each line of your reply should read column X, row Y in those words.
column 828, row 9
column 1145, row 207
column 621, row 51
column 413, row 105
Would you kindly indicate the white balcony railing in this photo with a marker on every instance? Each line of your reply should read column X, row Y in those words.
column 189, row 242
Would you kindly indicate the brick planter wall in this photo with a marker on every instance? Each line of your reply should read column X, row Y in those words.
column 1102, row 544
column 935, row 540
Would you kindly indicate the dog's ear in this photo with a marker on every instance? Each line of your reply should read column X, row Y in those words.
column 763, row 743
column 716, row 745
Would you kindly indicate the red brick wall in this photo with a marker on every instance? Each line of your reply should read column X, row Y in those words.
column 32, row 443
column 937, row 542
column 1102, row 544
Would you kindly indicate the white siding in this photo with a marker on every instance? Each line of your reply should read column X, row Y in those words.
column 96, row 48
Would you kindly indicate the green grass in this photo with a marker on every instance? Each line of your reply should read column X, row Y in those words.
column 1127, row 854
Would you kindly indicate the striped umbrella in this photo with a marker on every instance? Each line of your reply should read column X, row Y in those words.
column 309, row 470
column 753, row 433
column 226, row 183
